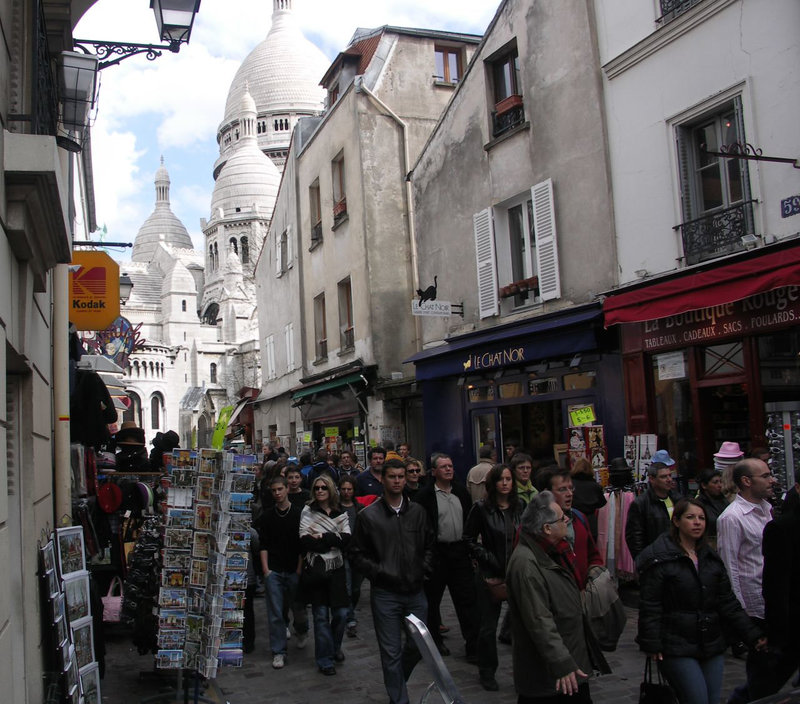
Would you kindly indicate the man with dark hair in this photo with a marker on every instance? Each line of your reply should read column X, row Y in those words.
column 320, row 467
column 740, row 530
column 346, row 465
column 393, row 548
column 404, row 450
column 553, row 651
column 447, row 504
column 651, row 512
column 368, row 483
column 476, row 477
column 279, row 540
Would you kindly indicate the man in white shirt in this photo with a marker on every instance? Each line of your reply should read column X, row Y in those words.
column 740, row 528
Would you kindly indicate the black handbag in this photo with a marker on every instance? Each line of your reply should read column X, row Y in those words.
column 313, row 574
column 655, row 692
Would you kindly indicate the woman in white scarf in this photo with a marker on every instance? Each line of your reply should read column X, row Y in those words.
column 324, row 534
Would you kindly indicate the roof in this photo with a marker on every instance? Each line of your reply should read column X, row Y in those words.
column 191, row 399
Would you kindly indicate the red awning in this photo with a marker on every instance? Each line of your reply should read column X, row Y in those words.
column 705, row 289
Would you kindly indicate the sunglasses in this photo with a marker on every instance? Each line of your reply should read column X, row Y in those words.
column 412, row 471
column 320, row 488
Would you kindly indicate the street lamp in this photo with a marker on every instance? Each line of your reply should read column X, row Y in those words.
column 77, row 83
column 125, row 288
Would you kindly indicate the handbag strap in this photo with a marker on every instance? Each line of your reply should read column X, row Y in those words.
column 648, row 671
column 116, row 582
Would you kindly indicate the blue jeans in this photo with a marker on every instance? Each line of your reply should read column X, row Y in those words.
column 389, row 610
column 329, row 624
column 280, row 589
column 695, row 681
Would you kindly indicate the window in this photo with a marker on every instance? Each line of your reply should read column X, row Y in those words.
column 346, row 332
column 245, row 248
column 339, row 192
column 183, row 306
column 270, row 357
column 448, row 64
column 212, row 373
column 233, row 245
column 315, row 210
column 715, row 191
column 320, row 328
column 288, row 335
column 156, row 403
column 508, row 108
column 282, row 254
column 516, row 246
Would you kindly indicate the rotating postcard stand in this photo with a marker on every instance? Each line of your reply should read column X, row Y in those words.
column 207, row 522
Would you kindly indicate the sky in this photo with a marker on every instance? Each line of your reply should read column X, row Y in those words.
column 171, row 107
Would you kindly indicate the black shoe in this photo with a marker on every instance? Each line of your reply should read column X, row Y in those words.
column 489, row 684
column 328, row 671
column 248, row 648
column 471, row 658
column 339, row 657
column 443, row 649
column 504, row 639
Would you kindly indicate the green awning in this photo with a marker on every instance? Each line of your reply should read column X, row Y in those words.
column 326, row 386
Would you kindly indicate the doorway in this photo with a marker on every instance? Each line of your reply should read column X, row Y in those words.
column 726, row 412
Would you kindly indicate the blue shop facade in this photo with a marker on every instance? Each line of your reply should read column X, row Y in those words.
column 516, row 385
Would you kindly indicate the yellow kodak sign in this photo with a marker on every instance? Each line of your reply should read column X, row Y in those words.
column 93, row 290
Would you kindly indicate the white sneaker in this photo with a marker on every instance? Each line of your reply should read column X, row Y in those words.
column 302, row 639
column 288, row 633
column 278, row 661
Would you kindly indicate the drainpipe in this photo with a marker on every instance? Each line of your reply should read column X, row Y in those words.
column 361, row 88
column 62, row 470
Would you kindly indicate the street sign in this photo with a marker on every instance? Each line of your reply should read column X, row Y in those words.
column 436, row 309
column 93, row 290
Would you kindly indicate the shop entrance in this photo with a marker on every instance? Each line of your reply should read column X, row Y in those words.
column 726, row 410
column 536, row 427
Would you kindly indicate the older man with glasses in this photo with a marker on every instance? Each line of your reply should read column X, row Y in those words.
column 553, row 652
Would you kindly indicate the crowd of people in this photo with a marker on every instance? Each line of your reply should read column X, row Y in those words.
column 714, row 570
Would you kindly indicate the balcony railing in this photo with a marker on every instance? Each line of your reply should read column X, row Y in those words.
column 316, row 234
column 339, row 211
column 717, row 234
column 348, row 339
column 322, row 349
column 508, row 113
column 670, row 9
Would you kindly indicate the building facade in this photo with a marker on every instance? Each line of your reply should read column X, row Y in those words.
column 512, row 208
column 337, row 272
column 706, row 227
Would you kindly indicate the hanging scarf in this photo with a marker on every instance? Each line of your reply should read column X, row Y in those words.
column 314, row 520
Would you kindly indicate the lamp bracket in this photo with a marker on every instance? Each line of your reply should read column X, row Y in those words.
column 112, row 53
column 745, row 150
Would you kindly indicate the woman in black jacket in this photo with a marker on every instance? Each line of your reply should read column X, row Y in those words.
column 494, row 520
column 687, row 607
column 714, row 502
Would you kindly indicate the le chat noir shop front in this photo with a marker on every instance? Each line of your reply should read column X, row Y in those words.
column 517, row 383
column 712, row 356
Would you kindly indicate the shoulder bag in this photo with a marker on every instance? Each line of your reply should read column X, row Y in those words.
column 655, row 692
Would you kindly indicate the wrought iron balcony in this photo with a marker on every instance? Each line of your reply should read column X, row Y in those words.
column 322, row 349
column 348, row 339
column 717, row 234
column 508, row 113
column 670, row 9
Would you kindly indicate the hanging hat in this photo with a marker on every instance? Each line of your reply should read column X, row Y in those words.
column 619, row 464
column 730, row 451
column 109, row 497
column 130, row 434
column 663, row 457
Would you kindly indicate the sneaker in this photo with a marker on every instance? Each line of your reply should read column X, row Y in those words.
column 328, row 671
column 302, row 639
column 278, row 661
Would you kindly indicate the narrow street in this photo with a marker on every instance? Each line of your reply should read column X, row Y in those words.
column 359, row 679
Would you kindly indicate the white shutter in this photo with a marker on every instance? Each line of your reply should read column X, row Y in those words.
column 487, row 267
column 544, row 225
column 278, row 254
column 289, row 248
column 288, row 333
column 271, row 357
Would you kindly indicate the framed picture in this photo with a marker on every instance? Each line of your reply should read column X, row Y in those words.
column 53, row 589
column 90, row 684
column 71, row 553
column 83, row 639
column 59, row 607
column 48, row 552
column 560, row 454
column 71, row 672
column 76, row 593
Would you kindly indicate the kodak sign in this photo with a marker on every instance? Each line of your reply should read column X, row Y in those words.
column 93, row 290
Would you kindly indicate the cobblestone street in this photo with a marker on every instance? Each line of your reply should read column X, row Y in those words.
column 359, row 677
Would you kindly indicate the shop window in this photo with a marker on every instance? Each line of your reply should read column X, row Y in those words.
column 512, row 389
column 779, row 365
column 448, row 64
column 673, row 397
column 723, row 360
column 508, row 109
column 479, row 393
column 320, row 329
column 539, row 387
column 516, row 247
column 715, row 191
column 580, row 380
column 346, row 330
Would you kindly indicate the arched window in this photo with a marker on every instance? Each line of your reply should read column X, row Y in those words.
column 156, row 404
column 212, row 370
column 245, row 250
column 216, row 256
column 134, row 410
column 234, row 245
column 183, row 306
column 211, row 257
column 276, row 125
column 211, row 314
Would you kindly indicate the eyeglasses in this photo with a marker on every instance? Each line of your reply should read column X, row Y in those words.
column 320, row 488
column 766, row 475
column 564, row 519
column 412, row 471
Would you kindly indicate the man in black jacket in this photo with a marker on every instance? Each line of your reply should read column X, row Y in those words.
column 650, row 514
column 447, row 504
column 393, row 548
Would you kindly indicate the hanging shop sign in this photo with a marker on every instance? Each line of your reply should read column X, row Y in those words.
column 436, row 309
column 581, row 415
column 94, row 291
column 761, row 313
column 331, row 431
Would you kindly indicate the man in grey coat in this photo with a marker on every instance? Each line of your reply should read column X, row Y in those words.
column 553, row 650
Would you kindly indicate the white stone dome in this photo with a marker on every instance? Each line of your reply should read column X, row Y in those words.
column 283, row 72
column 162, row 225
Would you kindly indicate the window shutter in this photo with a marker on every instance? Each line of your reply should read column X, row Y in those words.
column 544, row 226
column 289, row 340
column 278, row 255
column 740, row 135
column 487, row 266
column 683, row 140
column 271, row 357
column 289, row 249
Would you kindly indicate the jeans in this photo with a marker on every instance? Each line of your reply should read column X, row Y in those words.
column 489, row 612
column 694, row 681
column 280, row 589
column 354, row 580
column 329, row 624
column 389, row 610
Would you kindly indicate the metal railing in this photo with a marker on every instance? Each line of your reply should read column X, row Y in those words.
column 348, row 339
column 670, row 9
column 502, row 122
column 717, row 234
